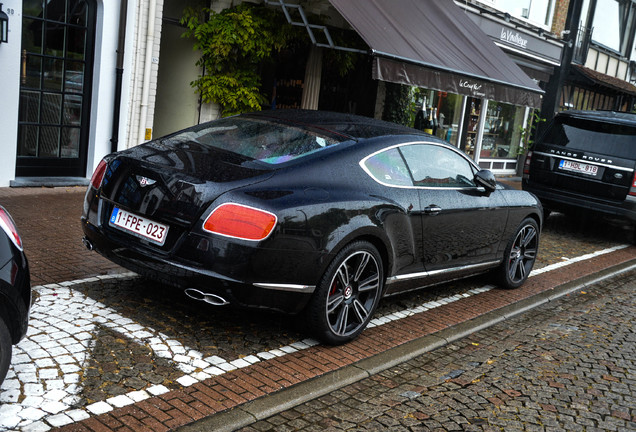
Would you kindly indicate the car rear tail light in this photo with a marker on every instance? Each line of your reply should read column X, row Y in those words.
column 632, row 190
column 98, row 175
column 240, row 221
column 526, row 165
column 8, row 226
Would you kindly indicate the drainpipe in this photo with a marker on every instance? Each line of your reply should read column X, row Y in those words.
column 119, row 73
column 145, row 92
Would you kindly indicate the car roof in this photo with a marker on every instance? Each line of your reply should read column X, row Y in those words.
column 601, row 116
column 352, row 126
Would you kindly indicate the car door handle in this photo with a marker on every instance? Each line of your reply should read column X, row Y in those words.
column 432, row 210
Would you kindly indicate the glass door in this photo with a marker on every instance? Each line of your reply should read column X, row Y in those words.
column 57, row 61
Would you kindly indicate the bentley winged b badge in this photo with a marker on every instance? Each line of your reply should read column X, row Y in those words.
column 145, row 181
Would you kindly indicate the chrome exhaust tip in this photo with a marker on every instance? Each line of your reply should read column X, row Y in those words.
column 212, row 299
column 87, row 243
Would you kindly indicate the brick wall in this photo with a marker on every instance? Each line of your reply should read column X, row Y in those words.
column 560, row 16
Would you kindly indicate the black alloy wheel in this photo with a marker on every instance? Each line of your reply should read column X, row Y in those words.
column 347, row 295
column 520, row 255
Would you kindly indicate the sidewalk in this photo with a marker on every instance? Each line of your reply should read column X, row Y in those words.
column 48, row 220
column 567, row 365
column 258, row 384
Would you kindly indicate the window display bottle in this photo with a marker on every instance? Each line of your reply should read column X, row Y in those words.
column 420, row 117
column 428, row 124
column 435, row 122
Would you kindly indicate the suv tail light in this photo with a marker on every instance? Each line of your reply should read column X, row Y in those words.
column 632, row 190
column 98, row 174
column 8, row 226
column 526, row 165
column 240, row 221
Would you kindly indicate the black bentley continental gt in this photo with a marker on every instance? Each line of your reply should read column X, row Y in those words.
column 307, row 211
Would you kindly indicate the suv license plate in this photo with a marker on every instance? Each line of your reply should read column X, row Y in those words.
column 578, row 167
column 139, row 226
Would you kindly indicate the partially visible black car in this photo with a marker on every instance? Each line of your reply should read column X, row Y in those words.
column 585, row 161
column 307, row 211
column 15, row 290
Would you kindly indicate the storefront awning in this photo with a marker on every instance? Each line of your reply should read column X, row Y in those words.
column 434, row 44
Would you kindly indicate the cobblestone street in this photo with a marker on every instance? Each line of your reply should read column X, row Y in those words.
column 107, row 350
column 570, row 366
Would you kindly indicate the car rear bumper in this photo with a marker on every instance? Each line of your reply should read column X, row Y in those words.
column 244, row 283
column 561, row 200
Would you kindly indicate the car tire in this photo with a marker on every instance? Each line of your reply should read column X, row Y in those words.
column 347, row 295
column 520, row 255
column 6, row 347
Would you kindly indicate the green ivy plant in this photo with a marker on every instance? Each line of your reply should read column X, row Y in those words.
column 528, row 133
column 397, row 104
column 233, row 42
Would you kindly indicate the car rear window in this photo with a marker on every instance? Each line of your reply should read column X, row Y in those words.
column 590, row 136
column 262, row 140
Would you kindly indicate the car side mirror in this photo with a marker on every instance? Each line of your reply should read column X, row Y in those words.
column 486, row 179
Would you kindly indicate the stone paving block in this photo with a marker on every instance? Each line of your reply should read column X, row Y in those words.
column 523, row 403
column 396, row 327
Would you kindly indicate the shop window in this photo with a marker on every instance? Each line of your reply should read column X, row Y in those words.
column 502, row 131
column 472, row 126
column 578, row 98
column 445, row 109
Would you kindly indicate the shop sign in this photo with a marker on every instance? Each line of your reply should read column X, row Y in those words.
column 524, row 39
column 513, row 38
column 474, row 87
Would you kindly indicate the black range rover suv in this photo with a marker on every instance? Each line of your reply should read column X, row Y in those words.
column 585, row 160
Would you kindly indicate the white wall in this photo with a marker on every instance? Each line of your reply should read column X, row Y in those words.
column 139, row 80
column 103, row 93
column 10, row 79
column 102, row 104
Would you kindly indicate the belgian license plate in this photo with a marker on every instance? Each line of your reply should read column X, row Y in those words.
column 139, row 226
column 578, row 167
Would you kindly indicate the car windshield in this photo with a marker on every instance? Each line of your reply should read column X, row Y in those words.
column 259, row 139
column 585, row 135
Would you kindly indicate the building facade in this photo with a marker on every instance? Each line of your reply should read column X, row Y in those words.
column 80, row 75
column 87, row 77
column 600, row 72
column 524, row 30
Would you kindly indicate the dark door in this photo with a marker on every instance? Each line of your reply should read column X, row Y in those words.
column 54, row 112
column 461, row 226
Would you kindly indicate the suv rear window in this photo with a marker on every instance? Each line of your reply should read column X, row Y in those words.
column 605, row 138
